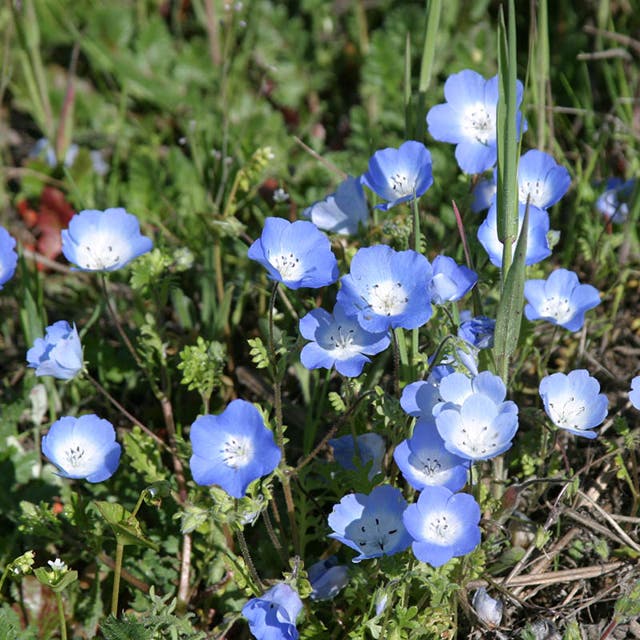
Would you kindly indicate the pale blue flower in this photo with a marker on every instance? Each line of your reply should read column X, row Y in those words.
column 371, row 524
column 483, row 195
column 537, row 242
column 399, row 175
column 387, row 289
column 297, row 254
column 468, row 119
column 82, row 447
column 488, row 609
column 419, row 398
column 443, row 525
column 59, row 353
column 573, row 402
column 614, row 202
column 327, row 578
column 425, row 462
column 343, row 211
column 273, row 615
column 474, row 420
column 368, row 447
column 560, row 299
column 634, row 394
column 8, row 256
column 338, row 340
column 477, row 331
column 232, row 449
column 450, row 281
column 541, row 179
column 103, row 240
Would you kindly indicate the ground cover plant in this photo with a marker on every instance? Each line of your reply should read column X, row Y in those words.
column 319, row 320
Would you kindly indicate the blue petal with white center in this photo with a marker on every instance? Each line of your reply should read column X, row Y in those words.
column 82, row 447
column 450, row 281
column 272, row 616
column 573, row 402
column 541, row 179
column 399, row 175
column 232, row 449
column 103, row 240
column 297, row 254
column 387, row 289
column 443, row 525
column 338, row 340
column 371, row 524
column 560, row 299
column 342, row 212
column 59, row 353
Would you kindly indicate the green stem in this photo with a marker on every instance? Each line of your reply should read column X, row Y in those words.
column 415, row 333
column 63, row 622
column 247, row 559
column 116, row 579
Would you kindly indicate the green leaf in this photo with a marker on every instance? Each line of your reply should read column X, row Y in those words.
column 125, row 527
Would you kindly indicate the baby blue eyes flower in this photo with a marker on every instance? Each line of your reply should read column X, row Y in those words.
column 399, row 175
column 232, row 449
column 368, row 447
column 425, row 462
column 8, row 256
column 327, row 578
column 613, row 204
column 560, row 299
column 371, row 524
column 59, row 353
column 337, row 340
column 488, row 609
column 343, row 211
column 477, row 331
column 297, row 254
column 574, row 402
column 387, row 289
column 541, row 179
column 103, row 240
column 474, row 420
column 443, row 525
column 273, row 615
column 537, row 243
column 82, row 447
column 634, row 393
column 468, row 119
column 450, row 281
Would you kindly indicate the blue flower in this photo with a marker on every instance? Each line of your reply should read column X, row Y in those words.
column 327, row 578
column 297, row 254
column 541, row 179
column 425, row 462
column 8, row 256
column 343, row 211
column 443, row 525
column 59, row 353
column 477, row 331
column 370, row 448
column 339, row 341
column 537, row 244
column 450, row 281
column 574, row 402
column 372, row 525
column 484, row 194
column 468, row 119
column 474, row 420
column 634, row 393
column 399, row 175
column 613, row 204
column 419, row 398
column 232, row 449
column 387, row 289
column 273, row 615
column 82, row 447
column 103, row 240
column 560, row 299
column 488, row 609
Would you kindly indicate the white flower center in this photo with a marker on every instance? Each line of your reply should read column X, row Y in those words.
column 441, row 528
column 376, row 534
column 79, row 458
column 535, row 191
column 288, row 266
column 478, row 440
column 341, row 340
column 566, row 414
column 237, row 451
column 401, row 185
column 479, row 124
column 388, row 298
column 427, row 465
column 105, row 251
column 558, row 307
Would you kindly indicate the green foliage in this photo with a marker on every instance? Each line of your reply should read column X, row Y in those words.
column 202, row 366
